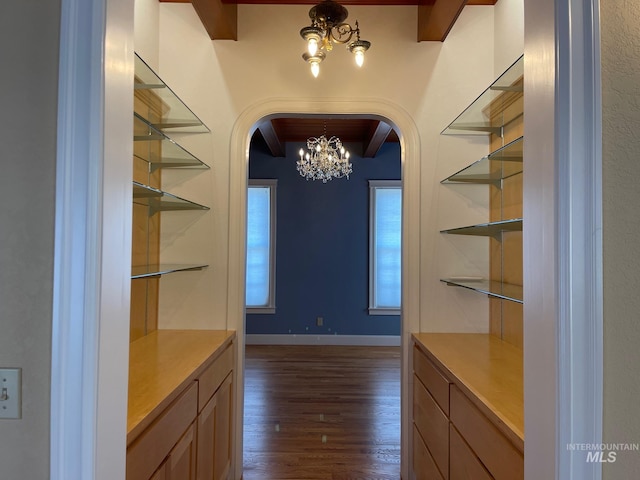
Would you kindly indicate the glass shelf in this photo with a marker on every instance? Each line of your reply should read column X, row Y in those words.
column 498, row 165
column 159, row 201
column 505, row 291
column 490, row 112
column 162, row 269
column 175, row 114
column 172, row 155
column 492, row 229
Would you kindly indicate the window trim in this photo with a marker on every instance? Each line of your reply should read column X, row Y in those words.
column 373, row 185
column 270, row 307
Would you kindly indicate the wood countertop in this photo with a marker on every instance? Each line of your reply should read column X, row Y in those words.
column 161, row 365
column 488, row 370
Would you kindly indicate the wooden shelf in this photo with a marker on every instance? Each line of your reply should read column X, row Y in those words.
column 161, row 365
column 488, row 370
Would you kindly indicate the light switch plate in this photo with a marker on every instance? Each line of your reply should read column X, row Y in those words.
column 10, row 392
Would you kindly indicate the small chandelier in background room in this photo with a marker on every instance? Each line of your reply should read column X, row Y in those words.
column 327, row 27
column 324, row 160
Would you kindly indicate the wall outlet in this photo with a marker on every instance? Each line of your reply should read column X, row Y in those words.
column 319, row 321
column 10, row 393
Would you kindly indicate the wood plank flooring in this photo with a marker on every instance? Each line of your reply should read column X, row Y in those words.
column 322, row 413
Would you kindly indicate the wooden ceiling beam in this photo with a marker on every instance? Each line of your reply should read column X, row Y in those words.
column 436, row 17
column 271, row 139
column 220, row 19
column 377, row 137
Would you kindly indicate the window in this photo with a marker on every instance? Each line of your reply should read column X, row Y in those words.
column 261, row 228
column 385, row 247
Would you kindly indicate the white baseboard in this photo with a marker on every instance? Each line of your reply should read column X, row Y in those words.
column 351, row 340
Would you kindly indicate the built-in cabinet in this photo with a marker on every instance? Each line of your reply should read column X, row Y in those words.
column 181, row 382
column 467, row 388
column 468, row 411
column 181, row 412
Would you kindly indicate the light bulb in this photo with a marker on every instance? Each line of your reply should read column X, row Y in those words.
column 359, row 53
column 312, row 46
column 301, row 152
column 315, row 69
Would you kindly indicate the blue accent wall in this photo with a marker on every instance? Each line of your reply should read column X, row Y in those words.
column 322, row 245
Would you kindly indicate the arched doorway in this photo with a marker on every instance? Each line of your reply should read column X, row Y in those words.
column 410, row 165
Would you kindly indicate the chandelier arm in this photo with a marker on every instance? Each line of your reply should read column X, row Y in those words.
column 342, row 33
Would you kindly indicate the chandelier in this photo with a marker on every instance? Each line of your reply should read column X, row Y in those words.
column 328, row 27
column 324, row 160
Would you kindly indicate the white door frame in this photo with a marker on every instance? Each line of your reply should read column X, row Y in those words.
column 562, row 238
column 90, row 332
column 91, row 266
column 410, row 164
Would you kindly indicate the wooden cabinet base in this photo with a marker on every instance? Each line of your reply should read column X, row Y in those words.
column 467, row 442
column 156, row 443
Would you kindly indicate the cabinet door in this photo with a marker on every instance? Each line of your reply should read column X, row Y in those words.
column 161, row 473
column 214, row 434
column 181, row 463
column 464, row 463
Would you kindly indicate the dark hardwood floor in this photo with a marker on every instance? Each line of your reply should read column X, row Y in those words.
column 322, row 412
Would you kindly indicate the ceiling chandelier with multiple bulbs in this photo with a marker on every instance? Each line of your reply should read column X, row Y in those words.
column 324, row 160
column 328, row 26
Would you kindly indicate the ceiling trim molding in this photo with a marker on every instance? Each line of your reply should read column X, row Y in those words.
column 435, row 17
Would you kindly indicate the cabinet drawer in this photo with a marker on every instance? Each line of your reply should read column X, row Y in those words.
column 148, row 451
column 464, row 465
column 496, row 452
column 424, row 467
column 213, row 376
column 433, row 426
column 430, row 376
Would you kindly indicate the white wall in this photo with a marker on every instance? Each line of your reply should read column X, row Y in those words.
column 433, row 82
column 509, row 33
column 28, row 136
column 146, row 31
column 620, row 21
